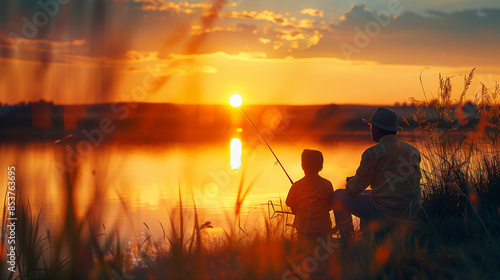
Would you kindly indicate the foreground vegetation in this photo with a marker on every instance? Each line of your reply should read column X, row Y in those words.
column 456, row 236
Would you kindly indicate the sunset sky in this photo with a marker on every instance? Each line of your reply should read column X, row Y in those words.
column 275, row 51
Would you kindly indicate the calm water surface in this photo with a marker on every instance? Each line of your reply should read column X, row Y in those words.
column 128, row 186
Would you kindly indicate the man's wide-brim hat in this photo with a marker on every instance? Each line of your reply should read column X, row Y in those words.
column 384, row 118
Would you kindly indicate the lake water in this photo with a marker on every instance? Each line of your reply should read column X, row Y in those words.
column 127, row 186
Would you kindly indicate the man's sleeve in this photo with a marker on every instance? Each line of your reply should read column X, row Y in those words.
column 291, row 199
column 364, row 174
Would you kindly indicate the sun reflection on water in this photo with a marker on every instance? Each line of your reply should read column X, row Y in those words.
column 235, row 148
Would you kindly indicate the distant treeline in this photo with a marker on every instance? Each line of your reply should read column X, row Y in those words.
column 138, row 123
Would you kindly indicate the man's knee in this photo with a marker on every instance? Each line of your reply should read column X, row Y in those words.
column 339, row 199
column 340, row 195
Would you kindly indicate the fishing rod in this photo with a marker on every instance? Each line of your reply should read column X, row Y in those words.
column 235, row 100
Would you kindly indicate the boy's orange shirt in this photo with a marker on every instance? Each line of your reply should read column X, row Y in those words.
column 311, row 201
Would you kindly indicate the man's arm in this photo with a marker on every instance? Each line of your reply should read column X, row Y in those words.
column 291, row 199
column 364, row 175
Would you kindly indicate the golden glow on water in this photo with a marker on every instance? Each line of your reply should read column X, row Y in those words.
column 235, row 147
column 141, row 184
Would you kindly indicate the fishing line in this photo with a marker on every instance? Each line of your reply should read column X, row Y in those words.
column 279, row 128
column 262, row 137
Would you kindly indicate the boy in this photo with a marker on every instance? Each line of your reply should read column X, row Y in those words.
column 311, row 201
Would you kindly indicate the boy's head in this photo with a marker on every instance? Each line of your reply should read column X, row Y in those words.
column 312, row 161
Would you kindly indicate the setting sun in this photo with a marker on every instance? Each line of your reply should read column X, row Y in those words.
column 235, row 100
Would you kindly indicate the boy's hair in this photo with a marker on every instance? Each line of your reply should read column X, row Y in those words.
column 312, row 160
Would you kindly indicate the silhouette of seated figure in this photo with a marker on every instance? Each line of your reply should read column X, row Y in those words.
column 310, row 199
column 392, row 169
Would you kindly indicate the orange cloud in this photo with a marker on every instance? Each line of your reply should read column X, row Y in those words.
column 133, row 62
column 297, row 39
column 246, row 56
column 293, row 35
column 267, row 15
column 306, row 23
column 187, row 70
column 139, row 61
column 312, row 12
column 41, row 45
column 24, row 41
column 264, row 41
column 250, row 55
column 140, row 57
column 39, row 50
column 314, row 39
column 178, row 8
column 197, row 29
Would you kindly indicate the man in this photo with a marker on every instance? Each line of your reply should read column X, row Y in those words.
column 311, row 201
column 392, row 169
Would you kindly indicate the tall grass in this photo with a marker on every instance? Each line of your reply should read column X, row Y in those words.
column 79, row 251
column 461, row 163
column 34, row 254
column 241, row 252
column 461, row 175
